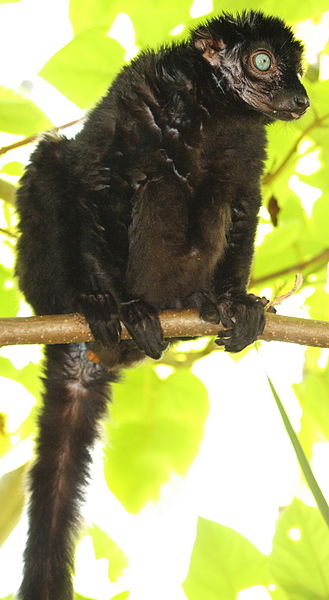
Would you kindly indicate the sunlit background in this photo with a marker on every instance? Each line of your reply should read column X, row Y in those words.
column 259, row 473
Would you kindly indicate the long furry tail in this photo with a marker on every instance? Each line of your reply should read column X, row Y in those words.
column 75, row 399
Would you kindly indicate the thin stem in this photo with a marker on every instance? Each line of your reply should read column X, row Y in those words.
column 33, row 138
column 7, row 232
column 322, row 256
column 317, row 122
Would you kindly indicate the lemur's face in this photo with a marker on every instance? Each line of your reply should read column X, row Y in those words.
column 259, row 60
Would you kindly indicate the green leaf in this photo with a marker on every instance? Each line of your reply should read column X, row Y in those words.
column 9, row 296
column 223, row 563
column 318, row 303
column 152, row 24
column 156, row 428
column 11, row 486
column 293, row 11
column 13, row 168
column 281, row 142
column 239, row 5
column 320, row 219
column 279, row 250
column 19, row 115
column 5, row 444
column 104, row 546
column 278, row 594
column 7, row 191
column 301, row 566
column 87, row 14
column 27, row 376
column 155, row 21
column 122, row 596
column 84, row 68
column 319, row 93
column 312, row 393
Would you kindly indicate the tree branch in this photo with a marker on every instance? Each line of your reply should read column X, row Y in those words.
column 62, row 329
column 34, row 138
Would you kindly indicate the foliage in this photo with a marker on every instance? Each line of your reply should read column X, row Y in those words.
column 154, row 435
column 157, row 422
column 224, row 562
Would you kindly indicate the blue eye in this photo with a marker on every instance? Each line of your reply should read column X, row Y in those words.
column 262, row 61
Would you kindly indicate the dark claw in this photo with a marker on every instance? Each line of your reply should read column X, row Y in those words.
column 226, row 333
column 101, row 313
column 142, row 322
column 265, row 302
column 99, row 187
column 226, row 316
column 207, row 308
column 210, row 313
column 99, row 178
column 243, row 317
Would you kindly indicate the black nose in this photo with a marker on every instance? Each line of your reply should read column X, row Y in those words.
column 302, row 102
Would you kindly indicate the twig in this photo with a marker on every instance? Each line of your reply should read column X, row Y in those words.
column 62, row 329
column 7, row 232
column 324, row 255
column 279, row 299
column 33, row 138
column 317, row 122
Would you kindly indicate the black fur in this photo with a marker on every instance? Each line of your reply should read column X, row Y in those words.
column 76, row 398
column 152, row 206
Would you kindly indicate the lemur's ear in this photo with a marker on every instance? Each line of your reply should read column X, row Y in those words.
column 209, row 46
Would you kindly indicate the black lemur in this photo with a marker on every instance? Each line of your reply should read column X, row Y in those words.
column 152, row 206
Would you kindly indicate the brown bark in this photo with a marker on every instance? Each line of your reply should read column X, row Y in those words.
column 61, row 329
